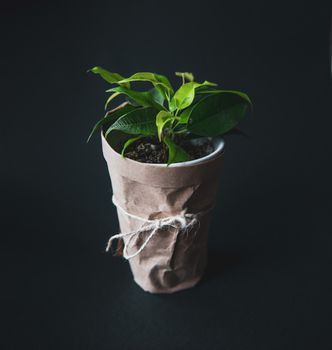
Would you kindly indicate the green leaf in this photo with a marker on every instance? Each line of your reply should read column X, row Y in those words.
column 139, row 121
column 111, row 117
column 184, row 116
column 162, row 119
column 164, row 81
column 217, row 113
column 111, row 78
column 129, row 142
column 150, row 77
column 201, row 89
column 111, row 98
column 185, row 76
column 208, row 83
column 241, row 94
column 157, row 96
column 159, row 81
column 185, row 95
column 142, row 98
column 163, row 86
column 176, row 154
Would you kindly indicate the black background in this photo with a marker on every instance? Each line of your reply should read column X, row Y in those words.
column 268, row 283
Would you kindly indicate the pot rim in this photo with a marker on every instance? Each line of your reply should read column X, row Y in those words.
column 219, row 145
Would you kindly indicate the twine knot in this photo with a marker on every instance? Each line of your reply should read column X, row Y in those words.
column 182, row 221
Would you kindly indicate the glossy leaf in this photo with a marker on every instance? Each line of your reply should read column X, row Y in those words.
column 142, row 98
column 162, row 119
column 139, row 121
column 208, row 83
column 239, row 93
column 176, row 154
column 158, row 80
column 184, row 116
column 111, row 117
column 150, row 77
column 164, row 80
column 115, row 94
column 110, row 77
column 129, row 142
column 185, row 95
column 217, row 113
column 157, row 96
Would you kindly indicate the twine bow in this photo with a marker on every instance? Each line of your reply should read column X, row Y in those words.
column 183, row 221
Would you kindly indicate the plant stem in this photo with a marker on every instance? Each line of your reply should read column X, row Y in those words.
column 180, row 131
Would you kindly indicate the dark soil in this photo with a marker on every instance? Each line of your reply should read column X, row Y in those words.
column 150, row 150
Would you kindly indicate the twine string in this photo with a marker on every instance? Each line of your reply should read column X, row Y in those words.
column 182, row 221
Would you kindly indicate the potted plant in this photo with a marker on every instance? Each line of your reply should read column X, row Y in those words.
column 164, row 152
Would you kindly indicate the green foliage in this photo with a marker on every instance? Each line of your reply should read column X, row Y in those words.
column 216, row 114
column 111, row 117
column 157, row 80
column 175, row 153
column 141, row 98
column 140, row 121
column 129, row 142
column 185, row 95
column 162, row 119
column 108, row 76
column 193, row 109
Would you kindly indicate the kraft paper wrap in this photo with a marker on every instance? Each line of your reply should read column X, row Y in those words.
column 172, row 260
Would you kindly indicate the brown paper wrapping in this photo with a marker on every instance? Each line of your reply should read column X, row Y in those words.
column 172, row 260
